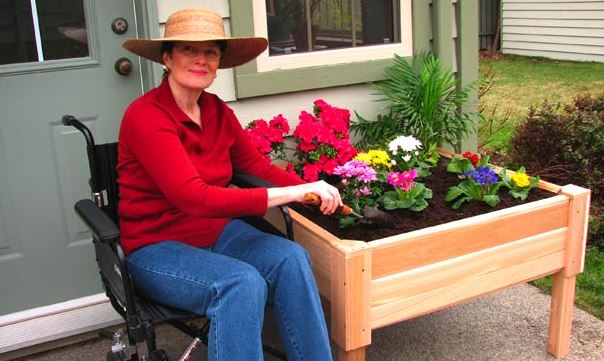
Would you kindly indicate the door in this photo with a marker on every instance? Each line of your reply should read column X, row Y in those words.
column 56, row 57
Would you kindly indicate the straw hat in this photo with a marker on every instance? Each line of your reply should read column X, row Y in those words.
column 199, row 25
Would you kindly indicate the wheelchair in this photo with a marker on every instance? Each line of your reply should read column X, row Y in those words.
column 100, row 216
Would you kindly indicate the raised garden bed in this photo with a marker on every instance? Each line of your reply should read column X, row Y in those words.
column 411, row 273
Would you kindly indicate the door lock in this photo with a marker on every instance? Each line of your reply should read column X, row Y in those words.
column 119, row 26
column 123, row 66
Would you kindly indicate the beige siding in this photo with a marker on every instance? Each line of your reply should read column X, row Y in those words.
column 569, row 30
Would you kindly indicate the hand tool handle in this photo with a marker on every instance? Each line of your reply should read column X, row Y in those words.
column 314, row 199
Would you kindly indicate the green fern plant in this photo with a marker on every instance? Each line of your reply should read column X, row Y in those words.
column 424, row 101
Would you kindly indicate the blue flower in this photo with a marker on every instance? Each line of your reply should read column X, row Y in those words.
column 483, row 175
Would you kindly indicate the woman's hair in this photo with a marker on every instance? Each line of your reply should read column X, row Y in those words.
column 168, row 46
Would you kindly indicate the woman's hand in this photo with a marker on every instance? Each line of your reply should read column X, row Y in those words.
column 330, row 196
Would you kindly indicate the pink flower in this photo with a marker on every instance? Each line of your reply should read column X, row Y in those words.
column 356, row 168
column 403, row 180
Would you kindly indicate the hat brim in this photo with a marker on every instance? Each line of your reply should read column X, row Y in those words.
column 238, row 50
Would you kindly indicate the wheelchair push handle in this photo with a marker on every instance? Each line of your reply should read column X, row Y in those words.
column 71, row 121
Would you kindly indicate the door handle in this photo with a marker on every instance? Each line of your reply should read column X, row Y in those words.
column 123, row 66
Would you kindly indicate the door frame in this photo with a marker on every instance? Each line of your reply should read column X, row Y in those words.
column 72, row 319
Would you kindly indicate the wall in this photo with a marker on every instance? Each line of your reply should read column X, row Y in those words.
column 567, row 30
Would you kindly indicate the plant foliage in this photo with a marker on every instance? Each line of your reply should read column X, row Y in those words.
column 424, row 101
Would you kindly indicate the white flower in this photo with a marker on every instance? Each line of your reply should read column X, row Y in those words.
column 406, row 158
column 406, row 143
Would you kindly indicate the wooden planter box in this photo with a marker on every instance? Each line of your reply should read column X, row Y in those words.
column 373, row 284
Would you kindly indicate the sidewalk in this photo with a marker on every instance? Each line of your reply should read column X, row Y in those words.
column 509, row 325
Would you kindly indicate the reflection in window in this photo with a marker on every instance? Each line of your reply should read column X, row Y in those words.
column 334, row 24
column 40, row 30
column 17, row 38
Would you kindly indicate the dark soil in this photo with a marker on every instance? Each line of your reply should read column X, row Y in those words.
column 437, row 212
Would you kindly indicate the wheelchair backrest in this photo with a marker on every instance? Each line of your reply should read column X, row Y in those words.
column 106, row 162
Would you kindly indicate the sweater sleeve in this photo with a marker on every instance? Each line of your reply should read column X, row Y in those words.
column 152, row 139
column 246, row 158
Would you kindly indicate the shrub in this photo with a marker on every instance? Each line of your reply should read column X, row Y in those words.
column 565, row 144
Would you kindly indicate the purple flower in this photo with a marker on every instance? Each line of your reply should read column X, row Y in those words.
column 356, row 168
column 483, row 175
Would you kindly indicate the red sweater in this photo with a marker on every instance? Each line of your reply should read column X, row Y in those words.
column 173, row 174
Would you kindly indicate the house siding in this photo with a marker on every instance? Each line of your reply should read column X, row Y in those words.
column 566, row 30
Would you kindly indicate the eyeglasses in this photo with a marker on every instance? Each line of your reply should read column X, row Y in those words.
column 190, row 51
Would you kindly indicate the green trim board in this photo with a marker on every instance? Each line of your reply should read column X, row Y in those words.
column 467, row 59
column 147, row 11
column 443, row 30
column 251, row 83
column 422, row 31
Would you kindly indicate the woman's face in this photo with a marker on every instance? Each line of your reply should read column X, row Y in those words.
column 193, row 65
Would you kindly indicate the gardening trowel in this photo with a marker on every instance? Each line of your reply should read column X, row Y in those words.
column 371, row 216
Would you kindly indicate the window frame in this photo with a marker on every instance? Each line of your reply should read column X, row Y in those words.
column 93, row 58
column 335, row 56
column 251, row 81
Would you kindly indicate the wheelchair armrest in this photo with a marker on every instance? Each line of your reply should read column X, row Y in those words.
column 97, row 221
column 251, row 181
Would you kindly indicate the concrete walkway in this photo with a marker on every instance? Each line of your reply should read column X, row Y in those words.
column 509, row 325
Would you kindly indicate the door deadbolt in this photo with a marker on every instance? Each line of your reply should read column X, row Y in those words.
column 123, row 66
column 119, row 26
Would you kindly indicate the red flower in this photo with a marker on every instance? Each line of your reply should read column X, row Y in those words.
column 279, row 122
column 472, row 157
column 310, row 172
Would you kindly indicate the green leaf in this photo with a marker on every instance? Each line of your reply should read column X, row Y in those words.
column 347, row 221
column 453, row 193
column 389, row 201
column 459, row 165
column 491, row 199
column 459, row 202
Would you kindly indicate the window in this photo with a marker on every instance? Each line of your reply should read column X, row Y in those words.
column 305, row 33
column 337, row 65
column 37, row 31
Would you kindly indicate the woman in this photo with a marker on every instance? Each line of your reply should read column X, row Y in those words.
column 178, row 147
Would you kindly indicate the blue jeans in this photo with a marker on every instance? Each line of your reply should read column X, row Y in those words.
column 231, row 282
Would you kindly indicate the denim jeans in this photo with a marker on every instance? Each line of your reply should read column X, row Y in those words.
column 231, row 282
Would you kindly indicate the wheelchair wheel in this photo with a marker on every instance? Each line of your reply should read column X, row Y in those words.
column 114, row 356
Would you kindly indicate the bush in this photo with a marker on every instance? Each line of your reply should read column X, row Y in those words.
column 566, row 145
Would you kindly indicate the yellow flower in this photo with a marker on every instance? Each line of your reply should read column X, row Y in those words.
column 521, row 180
column 374, row 157
column 363, row 157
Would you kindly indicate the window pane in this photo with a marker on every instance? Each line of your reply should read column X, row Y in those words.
column 62, row 29
column 17, row 39
column 335, row 24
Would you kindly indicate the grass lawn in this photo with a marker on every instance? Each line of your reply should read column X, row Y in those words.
column 519, row 83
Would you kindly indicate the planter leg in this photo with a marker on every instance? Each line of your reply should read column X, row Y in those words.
column 561, row 314
column 357, row 354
